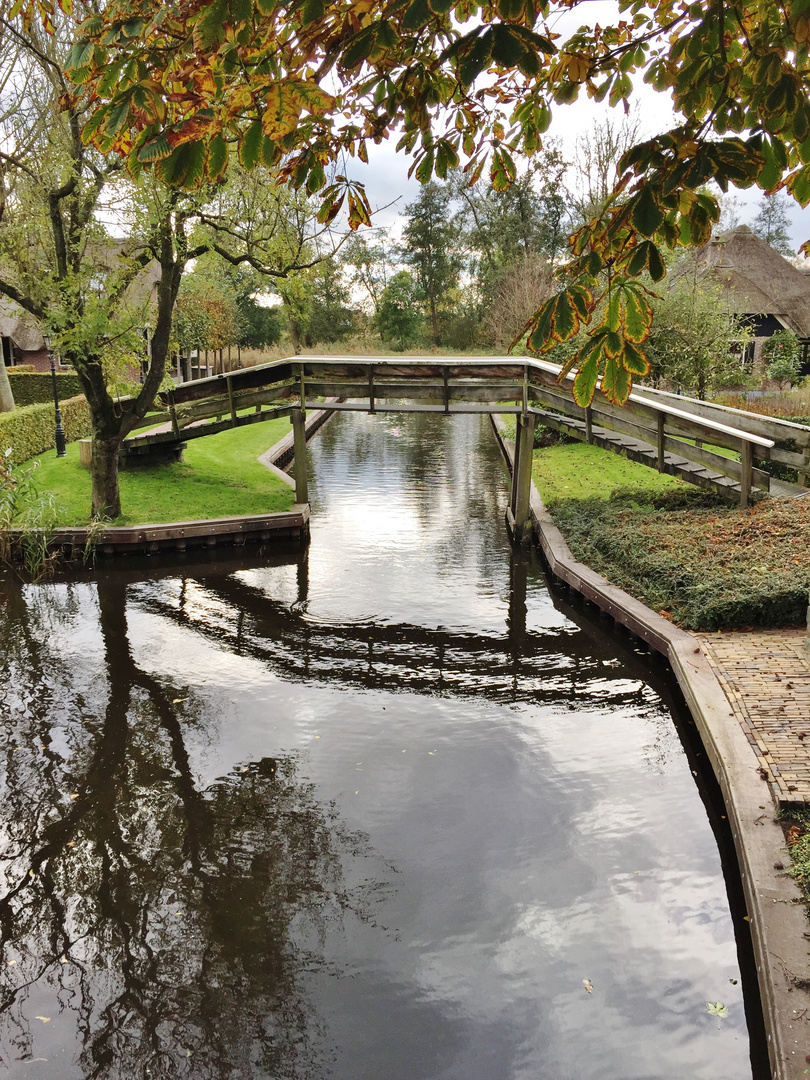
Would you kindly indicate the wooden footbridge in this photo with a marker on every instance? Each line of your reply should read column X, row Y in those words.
column 709, row 445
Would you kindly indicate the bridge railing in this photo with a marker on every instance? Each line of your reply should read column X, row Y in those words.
column 796, row 436
column 666, row 426
column 696, row 431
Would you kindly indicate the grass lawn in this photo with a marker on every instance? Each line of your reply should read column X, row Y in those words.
column 680, row 550
column 580, row 471
column 219, row 477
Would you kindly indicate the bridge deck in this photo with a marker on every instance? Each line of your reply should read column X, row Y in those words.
column 706, row 444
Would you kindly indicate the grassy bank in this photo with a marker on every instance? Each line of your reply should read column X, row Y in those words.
column 680, row 550
column 578, row 471
column 219, row 477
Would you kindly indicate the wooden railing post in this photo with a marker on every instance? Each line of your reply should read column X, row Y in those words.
column 660, row 442
column 588, row 425
column 229, row 384
column 299, row 423
column 175, row 424
column 520, row 509
column 747, row 462
column 802, row 473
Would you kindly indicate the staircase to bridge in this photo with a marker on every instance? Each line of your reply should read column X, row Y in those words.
column 710, row 445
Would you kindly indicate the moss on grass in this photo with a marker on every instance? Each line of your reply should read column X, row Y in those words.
column 220, row 477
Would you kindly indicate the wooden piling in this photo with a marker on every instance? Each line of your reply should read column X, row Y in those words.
column 298, row 417
column 520, row 508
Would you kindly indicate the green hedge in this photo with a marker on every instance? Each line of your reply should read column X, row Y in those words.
column 30, row 430
column 34, row 387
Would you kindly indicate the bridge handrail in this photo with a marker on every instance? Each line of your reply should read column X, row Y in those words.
column 528, row 375
column 544, row 365
column 500, row 361
column 669, row 410
column 747, row 436
column 776, row 421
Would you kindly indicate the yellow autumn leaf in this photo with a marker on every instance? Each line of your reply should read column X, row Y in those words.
column 578, row 68
column 686, row 200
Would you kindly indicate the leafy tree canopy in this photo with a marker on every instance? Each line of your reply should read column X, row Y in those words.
column 298, row 84
column 772, row 223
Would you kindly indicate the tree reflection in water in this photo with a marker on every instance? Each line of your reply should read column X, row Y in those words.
column 182, row 912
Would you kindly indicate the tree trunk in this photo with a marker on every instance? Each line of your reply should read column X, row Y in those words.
column 434, row 321
column 106, row 451
column 6, row 396
column 295, row 336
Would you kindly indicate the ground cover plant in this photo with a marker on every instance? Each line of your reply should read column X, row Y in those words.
column 693, row 559
column 219, row 477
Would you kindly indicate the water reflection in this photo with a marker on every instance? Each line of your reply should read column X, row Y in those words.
column 374, row 812
column 148, row 914
column 391, row 656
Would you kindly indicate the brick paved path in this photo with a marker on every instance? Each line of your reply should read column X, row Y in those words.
column 767, row 680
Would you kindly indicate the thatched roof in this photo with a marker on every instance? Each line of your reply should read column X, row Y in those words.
column 758, row 280
column 20, row 327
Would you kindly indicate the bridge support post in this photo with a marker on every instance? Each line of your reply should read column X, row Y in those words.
column 299, row 420
column 519, row 515
column 746, row 466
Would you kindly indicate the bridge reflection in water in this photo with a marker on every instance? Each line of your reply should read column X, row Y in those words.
column 382, row 811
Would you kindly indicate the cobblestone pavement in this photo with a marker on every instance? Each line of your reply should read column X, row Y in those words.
column 766, row 677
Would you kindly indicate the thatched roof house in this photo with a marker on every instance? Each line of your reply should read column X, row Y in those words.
column 20, row 337
column 20, row 334
column 760, row 284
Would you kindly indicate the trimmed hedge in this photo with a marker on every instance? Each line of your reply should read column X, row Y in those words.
column 30, row 430
column 35, row 388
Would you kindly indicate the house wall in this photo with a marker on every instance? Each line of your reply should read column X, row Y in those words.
column 38, row 358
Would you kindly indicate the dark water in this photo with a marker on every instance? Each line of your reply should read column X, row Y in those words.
column 386, row 812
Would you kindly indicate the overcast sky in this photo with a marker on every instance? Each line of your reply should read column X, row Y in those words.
column 386, row 176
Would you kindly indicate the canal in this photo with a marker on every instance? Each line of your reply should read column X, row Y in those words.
column 389, row 811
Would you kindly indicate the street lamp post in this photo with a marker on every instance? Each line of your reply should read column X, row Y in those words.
column 61, row 451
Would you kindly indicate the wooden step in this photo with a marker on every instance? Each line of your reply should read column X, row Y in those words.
column 646, row 454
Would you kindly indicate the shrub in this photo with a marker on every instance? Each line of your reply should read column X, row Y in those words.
column 29, row 431
column 27, row 520
column 32, row 387
column 782, row 353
